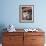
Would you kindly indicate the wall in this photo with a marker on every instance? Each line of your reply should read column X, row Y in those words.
column 9, row 13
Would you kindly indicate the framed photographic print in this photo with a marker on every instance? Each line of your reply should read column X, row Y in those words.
column 26, row 13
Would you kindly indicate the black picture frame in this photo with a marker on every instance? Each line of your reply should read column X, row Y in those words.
column 26, row 13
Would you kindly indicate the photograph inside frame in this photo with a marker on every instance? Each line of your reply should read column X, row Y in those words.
column 27, row 13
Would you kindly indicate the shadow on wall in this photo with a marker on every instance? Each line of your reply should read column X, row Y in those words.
column 2, row 26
